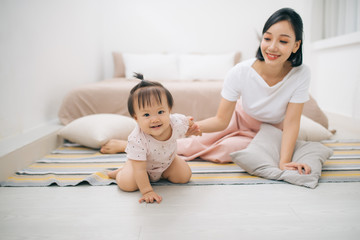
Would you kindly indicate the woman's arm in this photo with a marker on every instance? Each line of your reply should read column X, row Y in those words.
column 143, row 183
column 221, row 120
column 290, row 133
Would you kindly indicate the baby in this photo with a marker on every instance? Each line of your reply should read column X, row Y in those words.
column 151, row 147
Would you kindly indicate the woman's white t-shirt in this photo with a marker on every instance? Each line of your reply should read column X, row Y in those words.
column 259, row 100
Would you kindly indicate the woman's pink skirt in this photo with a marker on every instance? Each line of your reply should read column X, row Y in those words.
column 217, row 146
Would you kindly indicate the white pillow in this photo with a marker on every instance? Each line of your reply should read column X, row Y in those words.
column 95, row 130
column 312, row 131
column 155, row 67
column 205, row 66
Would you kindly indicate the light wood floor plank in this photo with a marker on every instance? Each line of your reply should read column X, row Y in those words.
column 331, row 211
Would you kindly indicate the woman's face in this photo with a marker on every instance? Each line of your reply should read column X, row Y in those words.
column 278, row 42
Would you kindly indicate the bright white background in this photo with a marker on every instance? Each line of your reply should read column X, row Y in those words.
column 49, row 47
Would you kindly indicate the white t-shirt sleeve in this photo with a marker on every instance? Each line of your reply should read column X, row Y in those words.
column 301, row 93
column 231, row 87
column 236, row 80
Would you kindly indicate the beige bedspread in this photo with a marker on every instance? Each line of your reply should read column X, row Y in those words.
column 199, row 99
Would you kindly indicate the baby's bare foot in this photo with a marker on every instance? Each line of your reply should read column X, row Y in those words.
column 112, row 174
column 114, row 146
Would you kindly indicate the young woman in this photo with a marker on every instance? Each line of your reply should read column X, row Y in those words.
column 273, row 88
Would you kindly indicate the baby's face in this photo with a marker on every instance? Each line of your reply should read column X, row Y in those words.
column 155, row 119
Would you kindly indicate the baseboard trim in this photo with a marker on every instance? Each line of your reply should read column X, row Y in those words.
column 21, row 156
column 346, row 127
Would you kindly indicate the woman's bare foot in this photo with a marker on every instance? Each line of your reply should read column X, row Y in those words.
column 114, row 146
column 112, row 174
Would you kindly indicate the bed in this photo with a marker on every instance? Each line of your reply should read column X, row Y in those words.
column 197, row 99
column 195, row 95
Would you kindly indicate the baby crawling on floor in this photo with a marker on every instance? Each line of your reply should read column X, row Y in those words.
column 151, row 146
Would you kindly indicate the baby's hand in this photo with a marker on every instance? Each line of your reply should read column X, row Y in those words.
column 194, row 128
column 150, row 197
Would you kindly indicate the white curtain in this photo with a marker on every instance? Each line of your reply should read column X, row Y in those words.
column 340, row 17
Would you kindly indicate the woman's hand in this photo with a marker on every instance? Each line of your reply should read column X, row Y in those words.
column 193, row 129
column 301, row 167
column 150, row 197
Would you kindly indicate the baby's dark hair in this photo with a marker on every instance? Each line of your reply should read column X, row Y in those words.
column 144, row 91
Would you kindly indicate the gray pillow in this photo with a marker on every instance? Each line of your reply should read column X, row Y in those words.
column 261, row 158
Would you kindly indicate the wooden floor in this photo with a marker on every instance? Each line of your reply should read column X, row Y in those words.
column 277, row 211
column 266, row 211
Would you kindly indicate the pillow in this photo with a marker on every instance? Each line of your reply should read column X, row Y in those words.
column 205, row 67
column 119, row 67
column 155, row 67
column 95, row 130
column 237, row 58
column 312, row 131
column 261, row 158
column 313, row 111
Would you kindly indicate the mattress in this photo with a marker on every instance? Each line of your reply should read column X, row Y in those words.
column 199, row 99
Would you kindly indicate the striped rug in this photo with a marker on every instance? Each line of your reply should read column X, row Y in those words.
column 71, row 165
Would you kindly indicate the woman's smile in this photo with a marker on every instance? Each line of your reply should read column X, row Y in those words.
column 271, row 56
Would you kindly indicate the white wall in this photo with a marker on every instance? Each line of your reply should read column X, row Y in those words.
column 46, row 48
column 49, row 47
column 335, row 68
column 336, row 78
